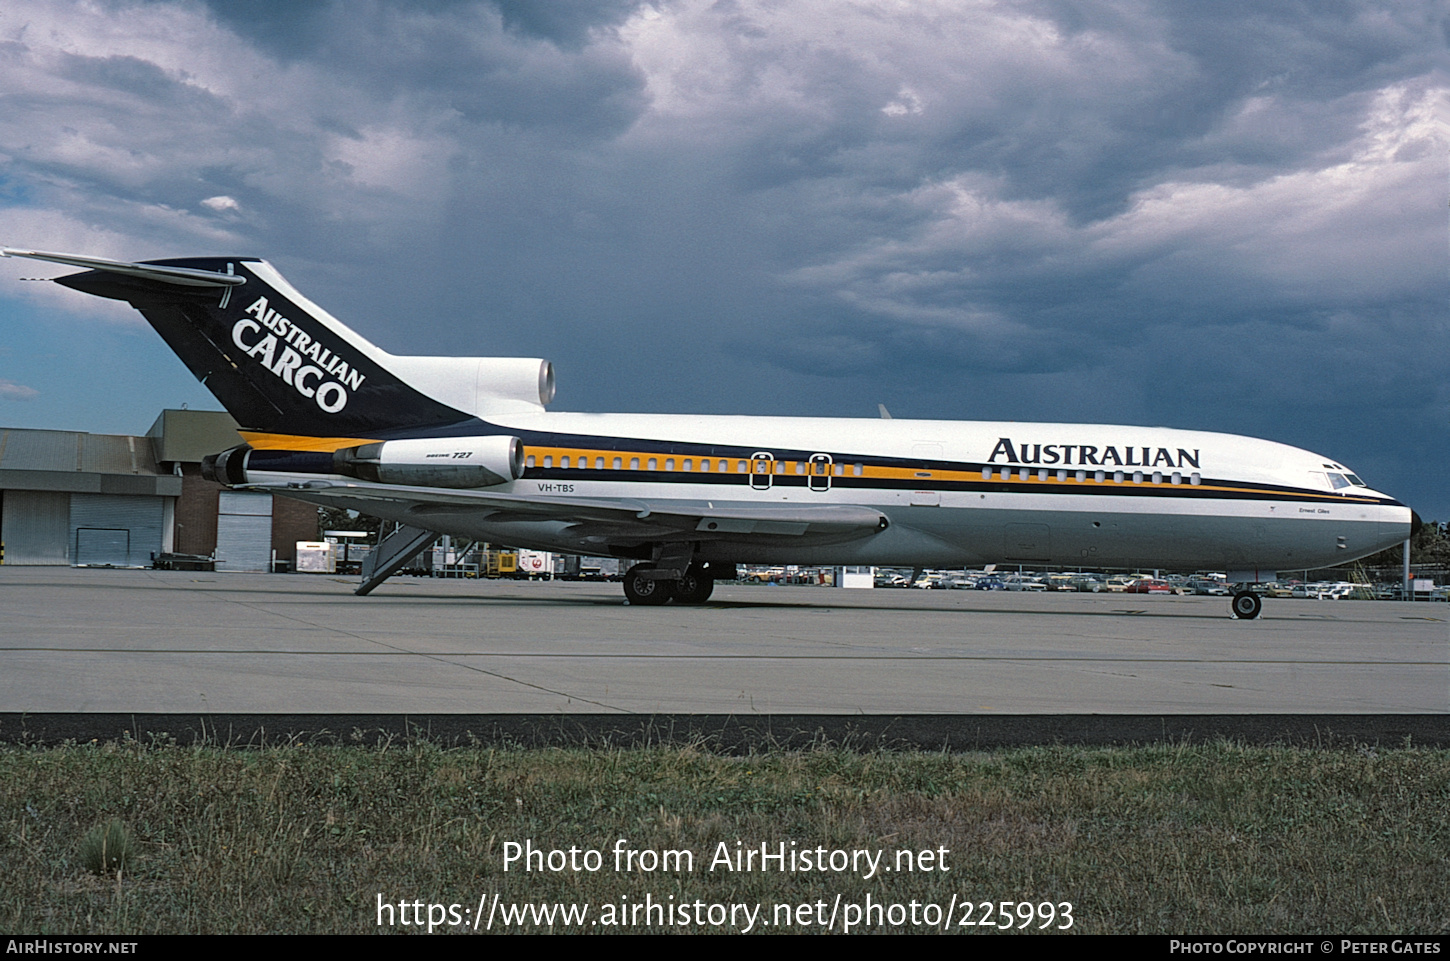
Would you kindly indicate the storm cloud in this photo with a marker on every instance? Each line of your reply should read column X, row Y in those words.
column 1227, row 216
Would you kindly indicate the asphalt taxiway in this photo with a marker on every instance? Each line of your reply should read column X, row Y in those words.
column 97, row 641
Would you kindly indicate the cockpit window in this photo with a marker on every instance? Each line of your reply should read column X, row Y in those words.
column 1346, row 479
column 1336, row 480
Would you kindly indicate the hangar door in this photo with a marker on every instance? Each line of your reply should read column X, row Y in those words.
column 34, row 526
column 244, row 531
column 117, row 530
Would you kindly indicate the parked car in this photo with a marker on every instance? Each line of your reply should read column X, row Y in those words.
column 1148, row 585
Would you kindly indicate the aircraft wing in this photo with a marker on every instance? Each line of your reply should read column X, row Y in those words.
column 623, row 516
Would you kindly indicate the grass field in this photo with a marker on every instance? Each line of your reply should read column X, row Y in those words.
column 1218, row 839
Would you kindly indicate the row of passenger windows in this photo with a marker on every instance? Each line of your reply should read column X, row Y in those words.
column 703, row 465
column 761, row 466
column 1099, row 476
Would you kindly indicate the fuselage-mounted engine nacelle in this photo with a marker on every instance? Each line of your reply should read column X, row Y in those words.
column 456, row 462
column 444, row 462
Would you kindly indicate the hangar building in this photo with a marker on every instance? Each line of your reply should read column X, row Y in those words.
column 73, row 498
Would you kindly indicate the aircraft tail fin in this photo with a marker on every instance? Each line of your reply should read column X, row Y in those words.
column 281, row 364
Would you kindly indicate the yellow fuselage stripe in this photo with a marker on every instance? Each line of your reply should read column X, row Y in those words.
column 293, row 442
column 584, row 459
column 785, row 468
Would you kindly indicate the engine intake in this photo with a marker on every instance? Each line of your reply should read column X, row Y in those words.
column 228, row 467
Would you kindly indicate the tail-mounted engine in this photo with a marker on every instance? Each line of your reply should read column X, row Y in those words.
column 456, row 462
column 442, row 462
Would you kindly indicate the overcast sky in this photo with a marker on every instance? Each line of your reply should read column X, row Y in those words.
column 1207, row 215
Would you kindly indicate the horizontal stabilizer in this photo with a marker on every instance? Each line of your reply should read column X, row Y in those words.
column 181, row 276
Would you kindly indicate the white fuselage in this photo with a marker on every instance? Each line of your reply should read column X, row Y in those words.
column 956, row 493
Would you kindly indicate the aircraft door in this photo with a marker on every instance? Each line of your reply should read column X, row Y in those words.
column 820, row 472
column 762, row 470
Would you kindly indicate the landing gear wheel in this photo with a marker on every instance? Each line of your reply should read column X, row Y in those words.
column 695, row 587
column 646, row 591
column 1246, row 605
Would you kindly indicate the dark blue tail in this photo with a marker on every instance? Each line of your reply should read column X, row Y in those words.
column 276, row 361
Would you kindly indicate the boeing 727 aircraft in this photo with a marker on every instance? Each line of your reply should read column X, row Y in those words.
column 465, row 446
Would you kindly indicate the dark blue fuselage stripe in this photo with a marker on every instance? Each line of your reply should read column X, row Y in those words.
column 1091, row 488
column 634, row 445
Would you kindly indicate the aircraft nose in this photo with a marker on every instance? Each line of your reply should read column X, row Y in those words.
column 1415, row 523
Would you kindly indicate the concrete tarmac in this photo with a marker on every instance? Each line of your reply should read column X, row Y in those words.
column 76, row 640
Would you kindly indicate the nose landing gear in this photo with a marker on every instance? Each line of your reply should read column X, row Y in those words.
column 1246, row 605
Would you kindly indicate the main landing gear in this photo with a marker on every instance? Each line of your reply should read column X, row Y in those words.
column 645, row 586
column 1246, row 605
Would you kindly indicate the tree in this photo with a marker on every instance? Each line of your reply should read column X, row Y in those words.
column 341, row 519
column 1430, row 547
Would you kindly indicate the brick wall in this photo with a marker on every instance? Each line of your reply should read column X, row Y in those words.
column 292, row 521
column 196, row 511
